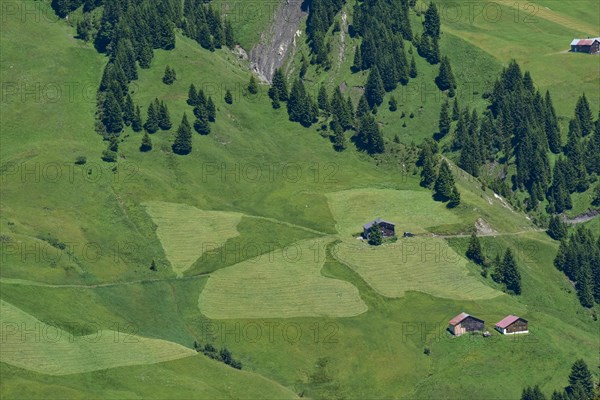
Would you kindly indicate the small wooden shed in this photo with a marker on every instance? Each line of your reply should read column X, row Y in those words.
column 512, row 325
column 589, row 45
column 464, row 323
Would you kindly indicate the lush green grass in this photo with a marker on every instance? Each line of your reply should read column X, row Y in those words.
column 281, row 284
column 428, row 265
column 375, row 354
column 186, row 233
column 51, row 350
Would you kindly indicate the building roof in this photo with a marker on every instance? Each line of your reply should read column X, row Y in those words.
column 584, row 42
column 508, row 321
column 377, row 221
column 458, row 319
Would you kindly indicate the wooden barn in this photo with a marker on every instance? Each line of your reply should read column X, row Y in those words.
column 512, row 325
column 388, row 229
column 589, row 45
column 464, row 323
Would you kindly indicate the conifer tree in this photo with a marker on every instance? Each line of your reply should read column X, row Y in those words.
column 393, row 104
column 183, row 139
column 152, row 119
column 357, row 64
column 510, row 273
column 374, row 90
column 211, row 110
column 474, row 251
column 228, row 97
column 192, row 99
column 201, row 124
column 583, row 114
column 431, row 22
column 363, row 107
column 322, row 99
column 375, row 238
column 164, row 119
column 455, row 111
column 445, row 79
column 146, row 143
column 339, row 140
column 280, row 85
column 428, row 175
column 252, row 85
column 169, row 76
column 112, row 115
column 229, row 35
column 433, row 56
column 369, row 137
column 580, row 374
column 413, row 67
column 128, row 110
column 551, row 125
column 444, row 121
column 584, row 286
column 444, row 183
column 557, row 230
column 136, row 122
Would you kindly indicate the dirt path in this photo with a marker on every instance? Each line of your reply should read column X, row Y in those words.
column 277, row 41
column 11, row 281
column 461, row 235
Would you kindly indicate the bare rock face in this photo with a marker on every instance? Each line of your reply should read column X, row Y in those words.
column 277, row 42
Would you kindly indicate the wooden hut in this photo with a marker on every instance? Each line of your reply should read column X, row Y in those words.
column 464, row 323
column 512, row 325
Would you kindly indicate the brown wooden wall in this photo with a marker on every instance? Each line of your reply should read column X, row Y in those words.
column 517, row 326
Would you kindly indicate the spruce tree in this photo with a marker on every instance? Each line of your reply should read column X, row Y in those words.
column 211, row 110
column 169, row 77
column 339, row 140
column 583, row 114
column 229, row 35
column 112, row 117
column 357, row 64
column 444, row 121
column 454, row 199
column 551, row 125
column 279, row 85
column 474, row 251
column 413, row 67
column 146, row 143
column 128, row 110
column 431, row 22
column 164, row 120
column 252, row 85
column 363, row 107
column 183, row 139
column 369, row 135
column 584, row 286
column 428, row 176
column 444, row 183
column 151, row 124
column 192, row 99
column 136, row 122
column 322, row 99
column 445, row 79
column 433, row 57
column 393, row 104
column 374, row 90
column 580, row 374
column 455, row 110
column 201, row 124
column 511, row 276
column 557, row 230
column 228, row 97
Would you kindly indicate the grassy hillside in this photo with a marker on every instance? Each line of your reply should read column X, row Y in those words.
column 78, row 247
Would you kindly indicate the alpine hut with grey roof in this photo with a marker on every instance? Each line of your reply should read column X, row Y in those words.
column 589, row 45
column 388, row 229
column 464, row 323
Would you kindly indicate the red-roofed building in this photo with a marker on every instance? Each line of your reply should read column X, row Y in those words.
column 590, row 46
column 464, row 323
column 512, row 325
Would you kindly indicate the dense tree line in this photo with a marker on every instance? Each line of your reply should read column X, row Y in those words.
column 579, row 258
column 521, row 125
column 321, row 14
column 581, row 386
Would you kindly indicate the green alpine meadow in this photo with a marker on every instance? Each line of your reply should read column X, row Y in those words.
column 320, row 199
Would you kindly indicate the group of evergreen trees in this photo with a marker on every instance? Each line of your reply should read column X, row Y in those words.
column 127, row 32
column 320, row 17
column 521, row 123
column 206, row 26
column 223, row 355
column 383, row 27
column 581, row 386
column 439, row 178
column 507, row 273
column 205, row 110
column 428, row 44
column 579, row 258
